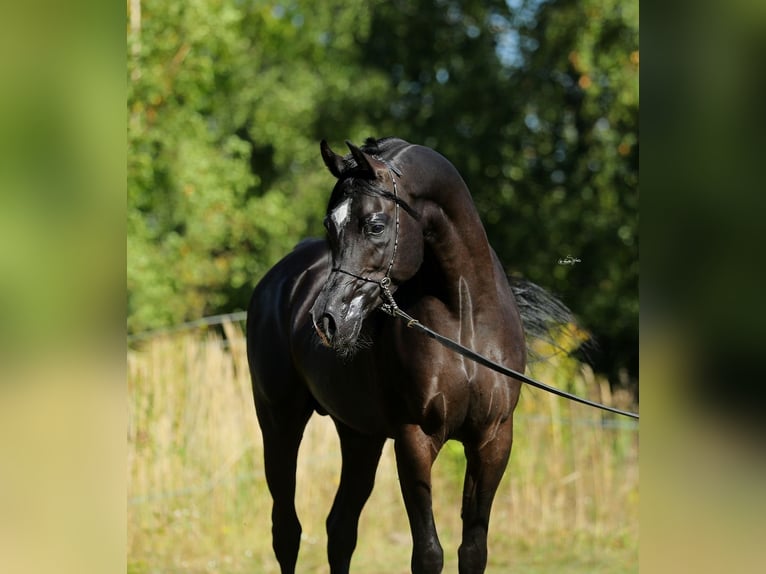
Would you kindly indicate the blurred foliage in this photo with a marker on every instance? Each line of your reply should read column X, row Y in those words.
column 536, row 103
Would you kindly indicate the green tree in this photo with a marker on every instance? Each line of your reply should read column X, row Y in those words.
column 535, row 102
column 572, row 168
column 224, row 177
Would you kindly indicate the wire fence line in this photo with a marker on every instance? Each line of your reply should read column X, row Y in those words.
column 240, row 316
column 211, row 321
column 226, row 478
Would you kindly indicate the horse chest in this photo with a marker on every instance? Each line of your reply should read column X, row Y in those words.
column 353, row 394
column 368, row 397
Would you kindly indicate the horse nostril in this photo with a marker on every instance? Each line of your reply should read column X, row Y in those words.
column 328, row 325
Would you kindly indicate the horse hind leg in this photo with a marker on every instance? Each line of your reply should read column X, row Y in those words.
column 361, row 455
column 282, row 427
column 486, row 462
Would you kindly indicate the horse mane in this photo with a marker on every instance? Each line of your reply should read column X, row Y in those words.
column 379, row 146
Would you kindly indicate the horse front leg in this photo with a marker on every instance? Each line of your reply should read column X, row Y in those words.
column 282, row 428
column 486, row 460
column 360, row 461
column 415, row 454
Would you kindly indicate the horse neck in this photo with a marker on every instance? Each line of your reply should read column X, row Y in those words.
column 460, row 251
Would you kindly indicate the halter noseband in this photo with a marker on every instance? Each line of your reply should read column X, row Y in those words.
column 389, row 306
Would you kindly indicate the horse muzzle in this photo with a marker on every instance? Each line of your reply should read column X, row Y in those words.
column 338, row 326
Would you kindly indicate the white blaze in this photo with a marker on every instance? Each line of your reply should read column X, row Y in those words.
column 341, row 213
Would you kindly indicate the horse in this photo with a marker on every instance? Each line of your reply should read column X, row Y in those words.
column 400, row 222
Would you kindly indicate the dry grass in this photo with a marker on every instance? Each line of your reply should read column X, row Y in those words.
column 198, row 501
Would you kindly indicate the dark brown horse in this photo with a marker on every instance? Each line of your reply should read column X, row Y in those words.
column 400, row 222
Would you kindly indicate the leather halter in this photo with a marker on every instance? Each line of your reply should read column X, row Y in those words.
column 389, row 306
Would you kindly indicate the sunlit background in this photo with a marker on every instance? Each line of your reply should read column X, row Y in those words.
column 65, row 500
column 536, row 104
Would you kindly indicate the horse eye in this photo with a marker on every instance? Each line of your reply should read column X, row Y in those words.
column 374, row 229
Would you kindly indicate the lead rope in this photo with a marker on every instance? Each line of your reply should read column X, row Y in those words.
column 391, row 308
column 413, row 323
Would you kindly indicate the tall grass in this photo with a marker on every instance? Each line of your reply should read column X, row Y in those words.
column 198, row 500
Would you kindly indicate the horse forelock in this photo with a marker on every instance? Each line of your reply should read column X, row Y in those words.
column 348, row 185
column 351, row 185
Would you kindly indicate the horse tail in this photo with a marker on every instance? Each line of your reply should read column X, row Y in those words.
column 546, row 319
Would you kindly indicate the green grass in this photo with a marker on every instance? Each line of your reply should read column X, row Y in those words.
column 198, row 502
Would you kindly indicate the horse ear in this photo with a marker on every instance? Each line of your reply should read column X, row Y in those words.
column 366, row 162
column 332, row 160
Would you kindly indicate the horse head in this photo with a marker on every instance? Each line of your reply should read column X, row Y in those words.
column 375, row 239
